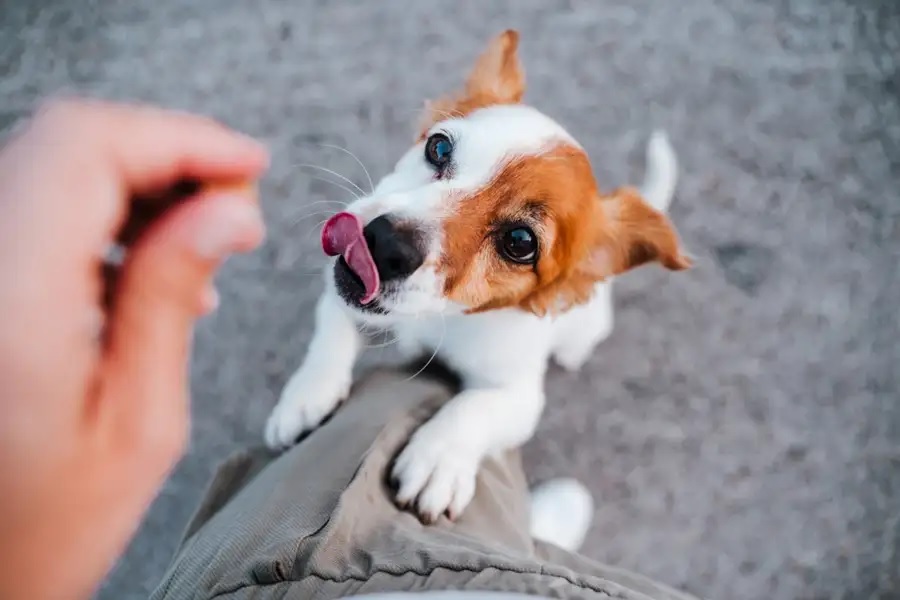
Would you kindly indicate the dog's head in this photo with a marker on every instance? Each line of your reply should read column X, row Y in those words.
column 495, row 206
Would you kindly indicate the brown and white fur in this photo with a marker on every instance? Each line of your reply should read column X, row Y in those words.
column 494, row 321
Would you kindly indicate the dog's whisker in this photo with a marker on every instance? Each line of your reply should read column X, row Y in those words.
column 304, row 215
column 448, row 114
column 312, row 215
column 356, row 158
column 335, row 173
column 298, row 274
column 368, row 329
column 433, row 354
column 335, row 183
column 429, row 107
column 389, row 342
column 338, row 202
column 316, row 227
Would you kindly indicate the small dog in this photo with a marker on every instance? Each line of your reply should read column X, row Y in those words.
column 490, row 246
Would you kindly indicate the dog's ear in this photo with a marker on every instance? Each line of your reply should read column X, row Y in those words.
column 498, row 73
column 615, row 234
column 635, row 234
column 496, row 78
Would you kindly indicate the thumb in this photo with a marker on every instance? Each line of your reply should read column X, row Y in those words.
column 160, row 295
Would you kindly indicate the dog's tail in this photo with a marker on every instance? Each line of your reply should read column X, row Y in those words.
column 662, row 172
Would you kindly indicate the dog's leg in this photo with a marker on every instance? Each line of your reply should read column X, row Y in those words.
column 580, row 330
column 324, row 378
column 437, row 470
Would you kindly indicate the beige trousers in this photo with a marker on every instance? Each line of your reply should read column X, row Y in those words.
column 318, row 522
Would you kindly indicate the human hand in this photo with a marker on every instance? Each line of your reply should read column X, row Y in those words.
column 90, row 430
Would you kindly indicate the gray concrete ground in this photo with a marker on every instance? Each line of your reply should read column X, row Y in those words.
column 741, row 428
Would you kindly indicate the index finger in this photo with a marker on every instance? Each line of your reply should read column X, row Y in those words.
column 103, row 154
column 149, row 148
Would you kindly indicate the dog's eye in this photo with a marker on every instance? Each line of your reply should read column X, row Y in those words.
column 438, row 151
column 519, row 245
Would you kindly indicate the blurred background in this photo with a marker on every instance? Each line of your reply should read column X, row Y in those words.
column 740, row 430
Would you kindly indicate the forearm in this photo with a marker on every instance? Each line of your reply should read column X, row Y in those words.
column 55, row 546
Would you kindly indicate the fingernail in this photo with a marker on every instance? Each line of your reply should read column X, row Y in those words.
column 229, row 223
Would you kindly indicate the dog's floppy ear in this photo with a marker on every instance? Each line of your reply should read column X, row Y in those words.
column 635, row 234
column 496, row 78
column 614, row 234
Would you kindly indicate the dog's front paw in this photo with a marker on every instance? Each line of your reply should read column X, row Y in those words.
column 572, row 358
column 307, row 399
column 435, row 474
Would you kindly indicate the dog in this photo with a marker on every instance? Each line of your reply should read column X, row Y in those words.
column 490, row 246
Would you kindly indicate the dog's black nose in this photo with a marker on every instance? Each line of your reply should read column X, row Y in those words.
column 396, row 250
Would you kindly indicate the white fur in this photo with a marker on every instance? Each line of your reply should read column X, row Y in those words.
column 485, row 140
column 662, row 172
column 561, row 513
column 324, row 378
column 501, row 355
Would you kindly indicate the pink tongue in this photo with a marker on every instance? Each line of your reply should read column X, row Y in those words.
column 343, row 235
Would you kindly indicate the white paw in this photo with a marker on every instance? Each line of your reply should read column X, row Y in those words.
column 435, row 474
column 576, row 352
column 307, row 399
column 572, row 358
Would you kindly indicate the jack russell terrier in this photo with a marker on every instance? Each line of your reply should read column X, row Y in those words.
column 491, row 246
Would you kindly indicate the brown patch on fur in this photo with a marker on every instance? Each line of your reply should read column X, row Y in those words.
column 496, row 78
column 640, row 234
column 553, row 193
column 623, row 232
column 583, row 238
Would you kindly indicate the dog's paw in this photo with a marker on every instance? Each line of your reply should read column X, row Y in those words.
column 579, row 347
column 572, row 358
column 307, row 400
column 435, row 474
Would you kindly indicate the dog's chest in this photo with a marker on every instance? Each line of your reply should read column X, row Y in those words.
column 482, row 347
